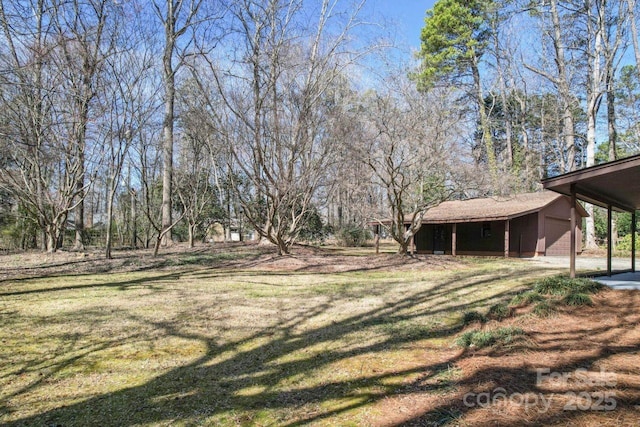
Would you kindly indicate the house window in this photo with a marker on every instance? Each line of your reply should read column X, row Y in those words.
column 485, row 230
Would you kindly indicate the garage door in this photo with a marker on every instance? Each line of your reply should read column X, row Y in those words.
column 557, row 236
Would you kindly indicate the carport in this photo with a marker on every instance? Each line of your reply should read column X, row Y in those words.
column 614, row 186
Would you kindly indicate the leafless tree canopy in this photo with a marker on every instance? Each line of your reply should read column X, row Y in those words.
column 128, row 125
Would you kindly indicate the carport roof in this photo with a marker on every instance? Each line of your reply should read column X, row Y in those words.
column 615, row 183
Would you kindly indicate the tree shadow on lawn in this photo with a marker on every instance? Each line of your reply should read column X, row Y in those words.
column 233, row 256
column 128, row 261
column 72, row 348
column 279, row 368
column 121, row 285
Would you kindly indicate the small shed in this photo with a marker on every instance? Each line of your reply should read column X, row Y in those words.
column 523, row 225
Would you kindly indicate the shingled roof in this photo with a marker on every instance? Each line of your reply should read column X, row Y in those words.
column 492, row 208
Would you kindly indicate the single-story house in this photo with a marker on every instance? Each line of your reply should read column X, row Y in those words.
column 523, row 225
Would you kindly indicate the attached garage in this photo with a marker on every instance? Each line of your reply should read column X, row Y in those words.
column 557, row 234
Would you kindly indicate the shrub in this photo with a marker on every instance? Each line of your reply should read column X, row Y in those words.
column 472, row 317
column 563, row 286
column 481, row 339
column 544, row 309
column 526, row 298
column 499, row 311
column 508, row 334
column 352, row 236
column 475, row 338
column 556, row 285
column 588, row 286
column 624, row 243
column 17, row 231
column 577, row 299
column 314, row 230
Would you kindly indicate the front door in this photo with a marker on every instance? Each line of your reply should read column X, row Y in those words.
column 439, row 239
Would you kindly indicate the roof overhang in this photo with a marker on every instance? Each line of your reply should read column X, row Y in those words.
column 615, row 184
column 437, row 219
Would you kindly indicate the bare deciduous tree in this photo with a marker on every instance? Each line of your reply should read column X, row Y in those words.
column 84, row 41
column 560, row 77
column 197, row 177
column 409, row 148
column 48, row 126
column 177, row 18
column 276, row 92
column 129, row 110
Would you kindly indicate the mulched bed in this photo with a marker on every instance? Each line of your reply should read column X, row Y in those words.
column 579, row 367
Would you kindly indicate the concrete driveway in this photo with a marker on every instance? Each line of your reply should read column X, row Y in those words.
column 596, row 265
column 621, row 281
column 584, row 263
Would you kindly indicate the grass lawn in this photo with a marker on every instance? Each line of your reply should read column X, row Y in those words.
column 242, row 337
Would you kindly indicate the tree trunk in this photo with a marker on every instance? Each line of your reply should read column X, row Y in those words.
column 565, row 91
column 634, row 33
column 403, row 247
column 613, row 141
column 107, row 249
column 44, row 238
column 506, row 111
column 487, row 138
column 283, row 248
column 60, row 235
column 167, row 172
column 590, row 226
column 161, row 235
column 595, row 79
column 156, row 246
column 167, row 125
column 52, row 241
column 79, row 210
column 134, row 220
column 109, row 237
column 80, row 142
column 191, row 234
column 54, row 231
column 611, row 116
column 86, row 92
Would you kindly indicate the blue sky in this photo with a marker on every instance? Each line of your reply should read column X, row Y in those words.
column 408, row 14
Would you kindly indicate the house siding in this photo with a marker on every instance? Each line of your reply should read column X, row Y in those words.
column 523, row 236
column 471, row 240
column 555, row 229
column 532, row 234
column 425, row 238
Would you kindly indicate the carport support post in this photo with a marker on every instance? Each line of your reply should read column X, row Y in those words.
column 454, row 232
column 506, row 238
column 633, row 241
column 572, row 255
column 609, row 238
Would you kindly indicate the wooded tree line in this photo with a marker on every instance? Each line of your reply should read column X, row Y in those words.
column 139, row 123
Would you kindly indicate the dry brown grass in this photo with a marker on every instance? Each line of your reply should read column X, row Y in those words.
column 237, row 336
